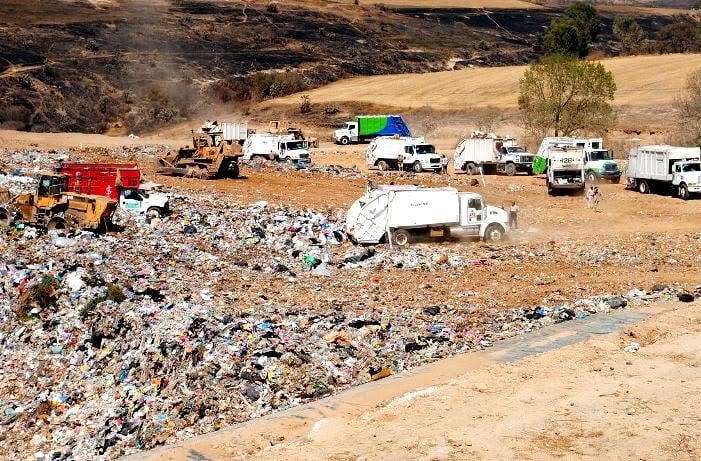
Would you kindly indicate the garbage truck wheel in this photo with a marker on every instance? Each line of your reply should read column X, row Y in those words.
column 684, row 191
column 154, row 212
column 382, row 165
column 510, row 169
column 5, row 216
column 345, row 140
column 401, row 237
column 494, row 233
column 58, row 224
column 417, row 167
column 644, row 187
column 591, row 177
column 472, row 168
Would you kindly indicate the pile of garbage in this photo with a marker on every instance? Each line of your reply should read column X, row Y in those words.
column 332, row 170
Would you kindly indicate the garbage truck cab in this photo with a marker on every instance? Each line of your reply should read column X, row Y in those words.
column 401, row 214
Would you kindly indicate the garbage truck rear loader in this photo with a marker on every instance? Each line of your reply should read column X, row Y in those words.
column 367, row 127
column 402, row 214
column 565, row 170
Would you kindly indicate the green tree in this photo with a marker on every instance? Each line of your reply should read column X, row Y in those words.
column 629, row 33
column 574, row 32
column 689, row 105
column 561, row 95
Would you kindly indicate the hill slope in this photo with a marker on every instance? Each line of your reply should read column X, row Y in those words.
column 641, row 80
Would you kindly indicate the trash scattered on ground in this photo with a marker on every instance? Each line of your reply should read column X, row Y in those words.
column 632, row 347
column 221, row 312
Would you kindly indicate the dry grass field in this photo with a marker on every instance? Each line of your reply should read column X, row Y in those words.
column 643, row 81
column 496, row 4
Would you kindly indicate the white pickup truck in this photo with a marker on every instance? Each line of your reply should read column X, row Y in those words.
column 276, row 147
column 401, row 213
column 666, row 169
column 415, row 154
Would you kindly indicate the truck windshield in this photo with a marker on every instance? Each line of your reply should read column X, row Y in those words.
column 425, row 149
column 600, row 155
column 515, row 149
column 691, row 167
column 347, row 126
column 295, row 145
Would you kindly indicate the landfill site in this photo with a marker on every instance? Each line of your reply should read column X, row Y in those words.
column 248, row 300
column 338, row 238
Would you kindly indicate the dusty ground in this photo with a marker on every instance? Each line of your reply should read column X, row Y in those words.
column 590, row 400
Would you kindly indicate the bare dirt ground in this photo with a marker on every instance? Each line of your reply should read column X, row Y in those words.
column 590, row 400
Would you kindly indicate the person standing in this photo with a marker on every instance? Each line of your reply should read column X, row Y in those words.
column 444, row 164
column 513, row 216
column 400, row 162
column 597, row 198
column 590, row 197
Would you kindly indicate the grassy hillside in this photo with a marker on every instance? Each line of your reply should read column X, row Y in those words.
column 641, row 80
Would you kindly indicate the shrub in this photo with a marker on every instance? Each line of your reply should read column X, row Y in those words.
column 305, row 104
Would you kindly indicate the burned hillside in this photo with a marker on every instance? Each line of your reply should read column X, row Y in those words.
column 133, row 68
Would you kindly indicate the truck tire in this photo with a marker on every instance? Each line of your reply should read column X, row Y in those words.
column 5, row 216
column 684, row 191
column 551, row 191
column 510, row 169
column 155, row 212
column 345, row 140
column 643, row 187
column 382, row 165
column 471, row 168
column 59, row 225
column 401, row 238
column 494, row 233
column 592, row 178
column 234, row 171
column 417, row 167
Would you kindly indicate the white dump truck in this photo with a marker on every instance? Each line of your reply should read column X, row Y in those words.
column 665, row 168
column 401, row 213
column 565, row 169
column 276, row 147
column 598, row 162
column 415, row 154
column 494, row 155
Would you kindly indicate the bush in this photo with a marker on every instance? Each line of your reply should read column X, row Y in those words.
column 305, row 104
column 678, row 37
column 331, row 109
column 272, row 7
column 275, row 84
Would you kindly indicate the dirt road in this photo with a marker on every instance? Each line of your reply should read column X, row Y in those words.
column 590, row 400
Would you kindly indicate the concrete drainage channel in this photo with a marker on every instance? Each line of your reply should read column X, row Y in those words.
column 299, row 421
column 562, row 334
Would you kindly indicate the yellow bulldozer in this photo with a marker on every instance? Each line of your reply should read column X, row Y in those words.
column 52, row 208
column 215, row 152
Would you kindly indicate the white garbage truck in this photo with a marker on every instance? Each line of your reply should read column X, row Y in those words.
column 664, row 168
column 493, row 155
column 276, row 147
column 407, row 153
column 598, row 162
column 401, row 214
column 565, row 169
